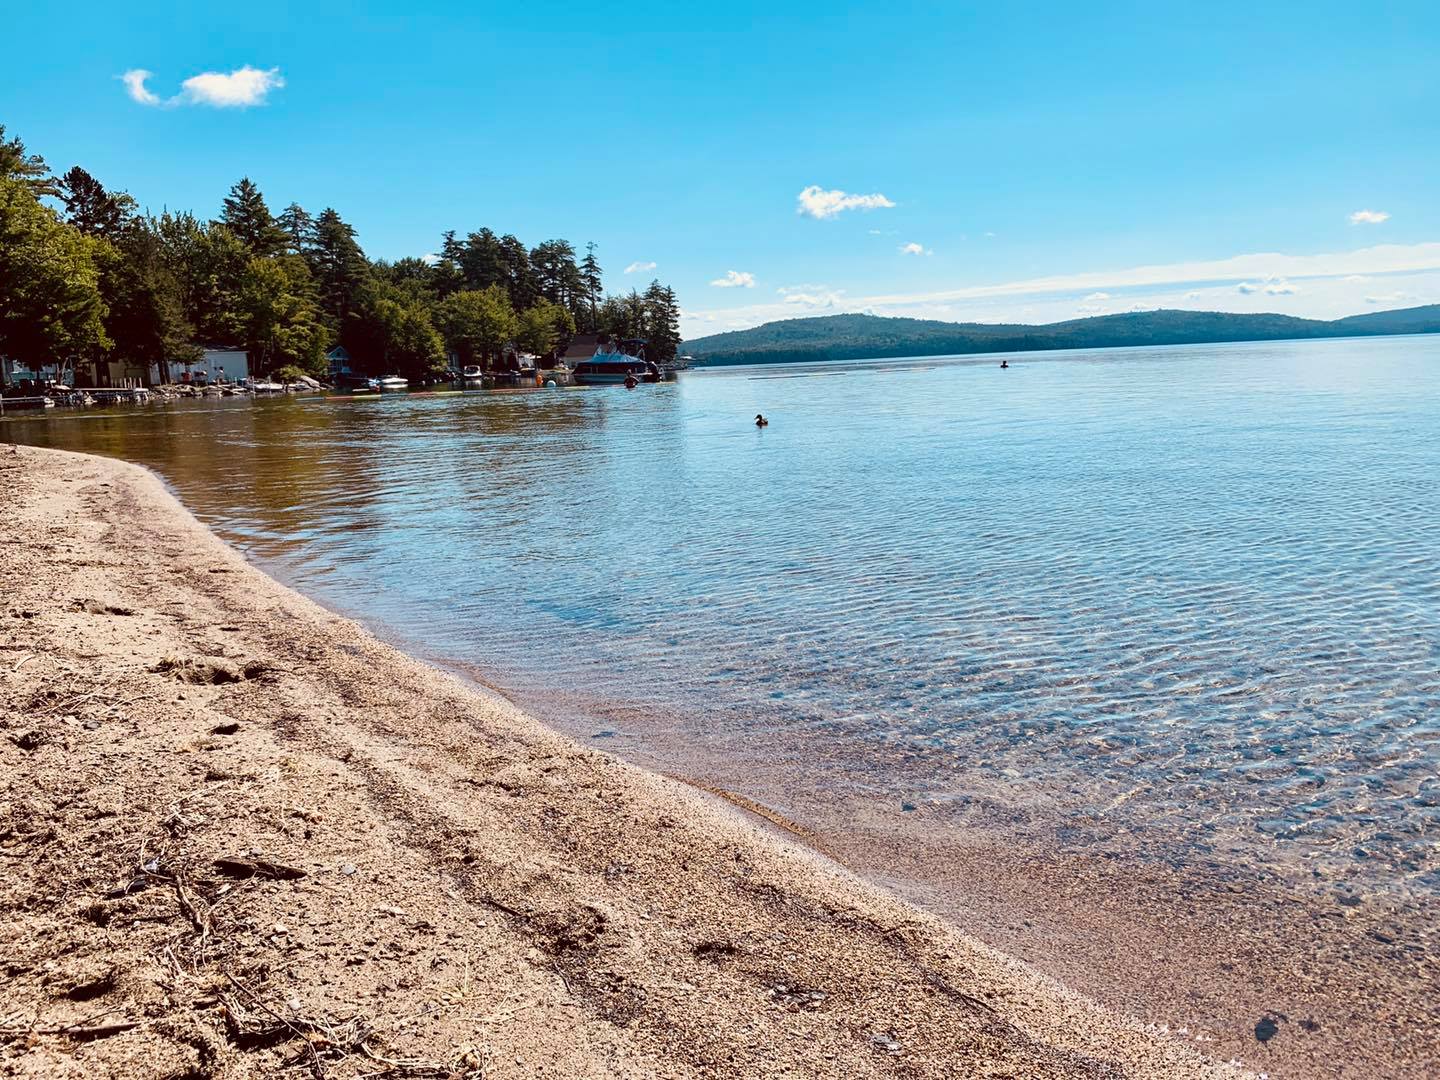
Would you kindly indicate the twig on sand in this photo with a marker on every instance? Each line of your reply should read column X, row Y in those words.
column 315, row 1064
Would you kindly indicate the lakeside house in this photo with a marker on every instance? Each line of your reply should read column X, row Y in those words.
column 581, row 348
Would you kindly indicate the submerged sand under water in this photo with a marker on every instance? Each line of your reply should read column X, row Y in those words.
column 243, row 837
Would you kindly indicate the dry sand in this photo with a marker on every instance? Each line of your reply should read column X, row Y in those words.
column 240, row 836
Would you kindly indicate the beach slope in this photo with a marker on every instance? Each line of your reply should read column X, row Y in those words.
column 241, row 836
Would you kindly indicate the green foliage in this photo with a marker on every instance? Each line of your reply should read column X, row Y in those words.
column 92, row 209
column 288, row 374
column 146, row 321
column 105, row 283
column 477, row 323
column 855, row 337
column 544, row 327
column 51, row 307
column 340, row 270
column 17, row 163
column 281, row 322
column 245, row 214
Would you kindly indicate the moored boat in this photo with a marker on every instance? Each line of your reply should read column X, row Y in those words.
column 394, row 382
column 616, row 363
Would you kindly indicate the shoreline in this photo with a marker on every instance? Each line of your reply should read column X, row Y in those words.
column 242, row 832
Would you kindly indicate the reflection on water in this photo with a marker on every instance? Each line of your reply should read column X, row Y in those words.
column 1189, row 595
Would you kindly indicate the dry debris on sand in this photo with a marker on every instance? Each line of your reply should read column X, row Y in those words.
column 241, row 837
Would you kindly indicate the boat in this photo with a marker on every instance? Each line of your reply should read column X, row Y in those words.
column 356, row 384
column 394, row 382
column 615, row 363
column 265, row 386
column 473, row 376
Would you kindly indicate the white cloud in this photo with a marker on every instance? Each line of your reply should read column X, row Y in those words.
column 241, row 88
column 1270, row 287
column 1368, row 217
column 430, row 258
column 1325, row 287
column 735, row 279
column 913, row 248
column 822, row 298
column 639, row 267
column 1097, row 296
column 135, row 86
column 818, row 203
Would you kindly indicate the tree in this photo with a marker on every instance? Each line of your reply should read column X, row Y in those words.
column 92, row 209
column 593, row 281
column 146, row 319
column 542, row 327
column 392, row 332
column 51, row 308
column 208, row 263
column 662, row 323
column 520, row 280
column 559, row 277
column 477, row 323
column 29, row 169
column 281, row 323
column 339, row 267
column 245, row 214
column 299, row 228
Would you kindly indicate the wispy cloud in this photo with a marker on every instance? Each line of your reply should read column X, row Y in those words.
column 1368, row 217
column 1270, row 287
column 735, row 279
column 238, row 89
column 1391, row 298
column 818, row 203
column 135, row 86
column 811, row 296
column 913, row 248
column 639, row 267
column 1325, row 285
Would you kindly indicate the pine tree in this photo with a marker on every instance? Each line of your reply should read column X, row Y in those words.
column 593, row 280
column 662, row 323
column 299, row 228
column 92, row 209
column 245, row 214
column 16, row 163
column 339, row 268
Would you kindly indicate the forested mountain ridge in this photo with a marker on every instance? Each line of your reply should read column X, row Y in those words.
column 88, row 281
column 856, row 337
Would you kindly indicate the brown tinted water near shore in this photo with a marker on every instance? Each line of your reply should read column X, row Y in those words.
column 242, row 837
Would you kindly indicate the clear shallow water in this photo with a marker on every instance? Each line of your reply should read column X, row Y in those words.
column 1182, row 602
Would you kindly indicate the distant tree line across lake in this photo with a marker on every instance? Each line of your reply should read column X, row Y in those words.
column 869, row 337
column 86, row 278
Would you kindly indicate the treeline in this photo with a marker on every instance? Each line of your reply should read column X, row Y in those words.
column 85, row 278
column 863, row 337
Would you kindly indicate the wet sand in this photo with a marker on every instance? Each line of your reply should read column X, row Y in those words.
column 242, row 836
column 1299, row 976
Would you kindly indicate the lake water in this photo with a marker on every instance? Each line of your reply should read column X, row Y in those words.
column 1192, row 590
column 1173, row 613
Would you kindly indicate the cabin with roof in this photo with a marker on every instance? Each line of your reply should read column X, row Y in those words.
column 582, row 347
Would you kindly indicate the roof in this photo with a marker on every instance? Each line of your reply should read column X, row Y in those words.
column 582, row 347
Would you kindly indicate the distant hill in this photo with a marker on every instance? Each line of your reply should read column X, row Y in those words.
column 859, row 337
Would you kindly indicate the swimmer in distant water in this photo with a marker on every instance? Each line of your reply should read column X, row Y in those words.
column 1004, row 363
column 760, row 421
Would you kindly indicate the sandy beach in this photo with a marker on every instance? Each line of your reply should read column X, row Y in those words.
column 242, row 836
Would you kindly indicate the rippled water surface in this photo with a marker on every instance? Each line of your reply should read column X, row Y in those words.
column 1195, row 591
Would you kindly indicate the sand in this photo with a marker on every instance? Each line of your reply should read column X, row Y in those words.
column 241, row 836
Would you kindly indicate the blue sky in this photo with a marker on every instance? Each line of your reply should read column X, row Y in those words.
column 993, row 162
